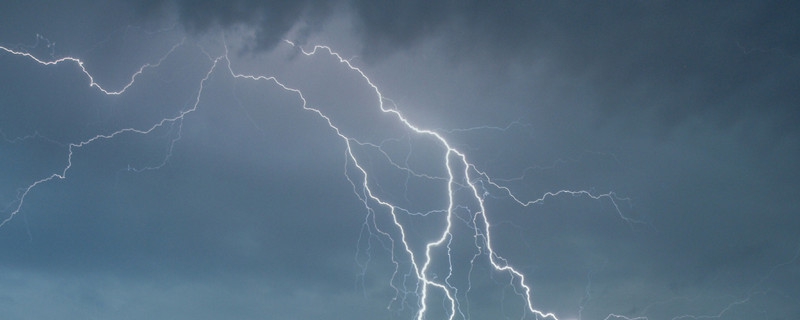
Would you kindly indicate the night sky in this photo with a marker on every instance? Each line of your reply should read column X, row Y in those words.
column 672, row 124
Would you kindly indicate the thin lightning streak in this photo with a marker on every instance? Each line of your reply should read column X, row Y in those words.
column 611, row 196
column 168, row 155
column 82, row 66
column 34, row 135
column 714, row 316
column 72, row 147
column 495, row 128
column 718, row 315
column 724, row 310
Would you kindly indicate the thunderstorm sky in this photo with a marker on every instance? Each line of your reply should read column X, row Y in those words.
column 683, row 114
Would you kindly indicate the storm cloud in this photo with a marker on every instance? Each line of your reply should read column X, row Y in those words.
column 686, row 111
column 676, row 59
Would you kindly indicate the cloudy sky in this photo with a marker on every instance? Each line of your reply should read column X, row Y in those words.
column 197, row 194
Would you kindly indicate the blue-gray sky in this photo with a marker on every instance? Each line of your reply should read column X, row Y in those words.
column 686, row 111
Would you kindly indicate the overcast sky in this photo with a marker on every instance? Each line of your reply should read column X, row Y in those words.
column 679, row 117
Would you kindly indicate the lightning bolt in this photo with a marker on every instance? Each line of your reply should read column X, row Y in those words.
column 462, row 178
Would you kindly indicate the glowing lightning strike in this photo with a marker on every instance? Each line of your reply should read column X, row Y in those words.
column 497, row 261
column 453, row 159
